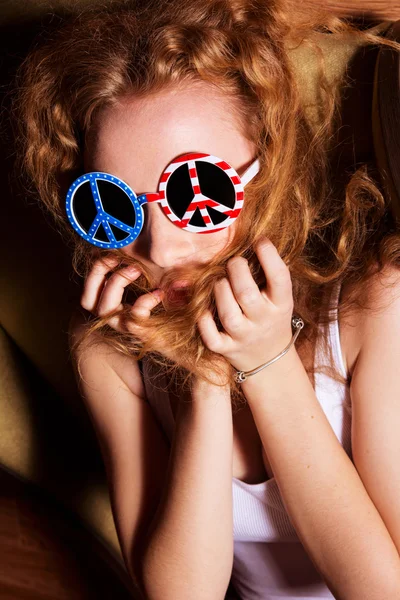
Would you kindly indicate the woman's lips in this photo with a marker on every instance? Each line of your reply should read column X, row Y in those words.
column 181, row 283
column 178, row 292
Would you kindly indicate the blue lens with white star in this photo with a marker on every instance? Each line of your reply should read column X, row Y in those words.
column 104, row 210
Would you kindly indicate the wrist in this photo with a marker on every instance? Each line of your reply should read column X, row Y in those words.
column 242, row 374
column 217, row 386
column 277, row 372
column 205, row 402
column 205, row 394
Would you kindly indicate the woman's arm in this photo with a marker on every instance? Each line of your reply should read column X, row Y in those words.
column 172, row 508
column 323, row 494
column 187, row 550
column 189, row 553
column 348, row 522
column 346, row 515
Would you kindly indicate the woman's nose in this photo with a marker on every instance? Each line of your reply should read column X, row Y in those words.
column 167, row 244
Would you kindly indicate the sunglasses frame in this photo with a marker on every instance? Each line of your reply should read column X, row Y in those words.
column 102, row 218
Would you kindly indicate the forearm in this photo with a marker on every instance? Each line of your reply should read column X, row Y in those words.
column 189, row 553
column 323, row 494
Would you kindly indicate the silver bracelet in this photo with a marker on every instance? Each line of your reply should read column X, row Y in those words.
column 241, row 376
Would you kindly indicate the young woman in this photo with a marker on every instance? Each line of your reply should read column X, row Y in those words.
column 171, row 141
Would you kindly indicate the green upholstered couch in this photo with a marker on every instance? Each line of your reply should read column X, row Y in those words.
column 46, row 436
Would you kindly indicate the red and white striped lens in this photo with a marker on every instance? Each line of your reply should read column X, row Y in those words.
column 201, row 193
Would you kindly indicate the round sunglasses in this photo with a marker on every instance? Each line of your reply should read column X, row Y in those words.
column 200, row 193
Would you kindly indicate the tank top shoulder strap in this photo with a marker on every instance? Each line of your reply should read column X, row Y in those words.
column 334, row 333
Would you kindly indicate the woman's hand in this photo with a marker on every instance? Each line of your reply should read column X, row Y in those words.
column 258, row 323
column 102, row 295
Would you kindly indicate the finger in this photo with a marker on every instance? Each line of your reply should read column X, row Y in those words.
column 229, row 311
column 279, row 283
column 113, row 290
column 244, row 288
column 212, row 338
column 142, row 308
column 94, row 282
column 145, row 303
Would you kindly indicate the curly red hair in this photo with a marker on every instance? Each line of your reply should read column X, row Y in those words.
column 326, row 233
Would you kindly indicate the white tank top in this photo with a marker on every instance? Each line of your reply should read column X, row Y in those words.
column 269, row 559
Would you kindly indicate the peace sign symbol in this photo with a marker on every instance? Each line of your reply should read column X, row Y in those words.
column 201, row 193
column 104, row 210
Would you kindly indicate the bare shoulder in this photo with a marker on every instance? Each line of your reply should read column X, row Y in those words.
column 99, row 350
column 383, row 289
column 378, row 295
